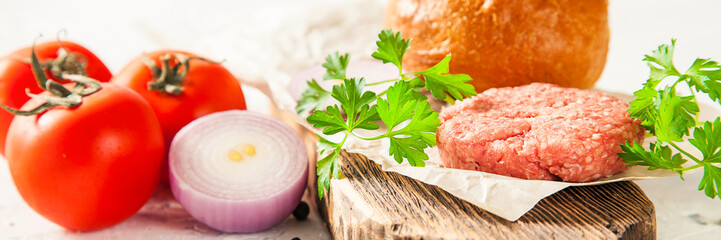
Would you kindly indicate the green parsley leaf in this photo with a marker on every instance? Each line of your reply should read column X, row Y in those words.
column 409, row 148
column 398, row 105
column 711, row 181
column 714, row 90
column 704, row 75
column 327, row 168
column 325, row 145
column 391, row 48
column 670, row 117
column 313, row 98
column 643, row 106
column 659, row 157
column 663, row 57
column 411, row 123
column 447, row 87
column 706, row 139
column 355, row 104
column 331, row 120
column 335, row 66
column 676, row 115
column 409, row 141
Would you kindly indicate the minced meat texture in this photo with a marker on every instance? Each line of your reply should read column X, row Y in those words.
column 538, row 131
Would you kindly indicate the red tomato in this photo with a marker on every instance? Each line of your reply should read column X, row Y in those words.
column 90, row 166
column 16, row 76
column 208, row 88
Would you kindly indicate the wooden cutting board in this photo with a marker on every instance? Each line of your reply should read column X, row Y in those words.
column 371, row 204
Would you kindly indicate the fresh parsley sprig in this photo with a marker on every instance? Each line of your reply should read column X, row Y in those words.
column 315, row 96
column 402, row 109
column 671, row 117
column 335, row 65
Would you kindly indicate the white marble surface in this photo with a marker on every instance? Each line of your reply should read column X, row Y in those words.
column 262, row 39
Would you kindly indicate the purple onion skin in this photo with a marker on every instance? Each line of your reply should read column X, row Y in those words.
column 241, row 217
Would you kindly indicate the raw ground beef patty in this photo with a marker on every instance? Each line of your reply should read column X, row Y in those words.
column 538, row 131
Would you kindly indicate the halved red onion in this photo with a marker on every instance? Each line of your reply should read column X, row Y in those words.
column 238, row 171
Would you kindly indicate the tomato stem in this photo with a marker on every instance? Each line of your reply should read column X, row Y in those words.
column 61, row 96
column 169, row 77
column 66, row 62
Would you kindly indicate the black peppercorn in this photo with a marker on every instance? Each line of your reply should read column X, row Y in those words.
column 301, row 211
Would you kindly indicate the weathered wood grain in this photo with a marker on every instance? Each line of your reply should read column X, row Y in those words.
column 371, row 204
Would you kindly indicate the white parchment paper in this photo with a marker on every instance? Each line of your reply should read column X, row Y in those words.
column 507, row 197
column 269, row 66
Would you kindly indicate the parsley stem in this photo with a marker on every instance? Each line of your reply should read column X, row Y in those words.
column 340, row 146
column 693, row 93
column 680, row 79
column 387, row 134
column 412, row 73
column 367, row 139
column 372, row 138
column 403, row 76
column 685, row 153
column 382, row 82
column 689, row 168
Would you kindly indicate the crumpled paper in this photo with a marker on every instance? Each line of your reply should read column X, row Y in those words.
column 507, row 197
column 291, row 48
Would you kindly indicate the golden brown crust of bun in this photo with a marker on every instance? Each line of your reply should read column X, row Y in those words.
column 505, row 42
